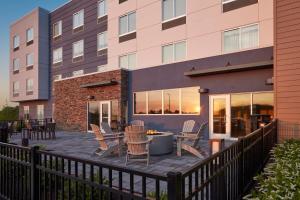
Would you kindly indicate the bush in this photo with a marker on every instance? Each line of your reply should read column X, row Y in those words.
column 9, row 113
column 281, row 178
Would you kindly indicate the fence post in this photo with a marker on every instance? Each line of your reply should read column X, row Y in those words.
column 242, row 167
column 174, row 180
column 34, row 173
column 262, row 148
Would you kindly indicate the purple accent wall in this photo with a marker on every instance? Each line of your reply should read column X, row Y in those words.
column 172, row 76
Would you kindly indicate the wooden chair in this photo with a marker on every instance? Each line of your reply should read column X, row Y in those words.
column 137, row 143
column 188, row 126
column 108, row 143
column 137, row 123
column 189, row 142
column 106, row 129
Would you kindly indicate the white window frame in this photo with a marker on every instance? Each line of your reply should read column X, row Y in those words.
column 14, row 67
column 127, row 55
column 27, row 64
column 173, row 48
column 127, row 18
column 98, row 14
column 162, row 98
column 240, row 38
column 61, row 59
column 29, row 89
column 59, row 23
column 16, row 90
column 106, row 44
column 174, row 7
column 78, row 73
column 14, row 41
column 29, row 39
column 74, row 27
column 82, row 54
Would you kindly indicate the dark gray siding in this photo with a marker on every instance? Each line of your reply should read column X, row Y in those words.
column 89, row 34
column 172, row 76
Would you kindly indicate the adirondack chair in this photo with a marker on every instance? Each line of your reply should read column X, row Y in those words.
column 137, row 123
column 189, row 142
column 108, row 143
column 188, row 126
column 106, row 129
column 137, row 143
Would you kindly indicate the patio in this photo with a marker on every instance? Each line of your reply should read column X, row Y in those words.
column 83, row 145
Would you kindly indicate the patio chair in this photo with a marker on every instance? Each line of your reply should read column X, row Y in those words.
column 108, row 143
column 188, row 126
column 137, row 143
column 189, row 142
column 137, row 123
column 106, row 129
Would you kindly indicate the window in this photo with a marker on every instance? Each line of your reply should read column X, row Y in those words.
column 40, row 112
column 29, row 60
column 102, row 40
column 57, row 55
column 174, row 52
column 101, row 68
column 78, row 19
column 26, row 112
column 29, row 35
column 127, row 61
column 127, row 23
column 263, row 104
column 57, row 29
column 78, row 49
column 29, row 85
column 16, row 87
column 78, row 73
column 16, row 41
column 171, row 101
column 173, row 9
column 16, row 64
column 57, row 77
column 241, row 38
column 102, row 8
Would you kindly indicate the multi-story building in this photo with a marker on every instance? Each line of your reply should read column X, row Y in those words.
column 161, row 61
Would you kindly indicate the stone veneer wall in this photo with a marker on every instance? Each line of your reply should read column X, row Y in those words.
column 70, row 100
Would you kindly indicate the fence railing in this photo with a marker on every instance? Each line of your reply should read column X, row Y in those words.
column 31, row 173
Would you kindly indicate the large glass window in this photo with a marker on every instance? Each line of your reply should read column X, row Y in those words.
column 78, row 19
column 102, row 40
column 114, row 114
column 102, row 8
column 93, row 114
column 173, row 9
column 78, row 49
column 127, row 61
column 241, row 38
column 174, row 52
column 171, row 101
column 263, row 104
column 29, row 60
column 190, row 100
column 16, row 64
column 57, row 55
column 240, row 114
column 57, row 29
column 29, row 35
column 16, row 41
column 127, row 23
column 155, row 102
column 140, row 103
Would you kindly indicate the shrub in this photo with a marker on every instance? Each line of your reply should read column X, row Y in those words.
column 281, row 178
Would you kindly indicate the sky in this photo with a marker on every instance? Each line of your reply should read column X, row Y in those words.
column 10, row 11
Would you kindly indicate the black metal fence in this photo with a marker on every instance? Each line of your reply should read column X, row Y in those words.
column 30, row 173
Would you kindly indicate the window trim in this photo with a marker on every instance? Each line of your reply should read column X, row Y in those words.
column 240, row 39
column 228, row 1
column 173, row 18
column 127, row 17
column 75, row 27
column 173, row 44
column 60, row 61
column 29, row 79
column 27, row 60
column 27, row 34
column 53, row 29
column 14, row 91
column 16, row 36
column 82, row 49
column 99, row 49
column 98, row 16
column 14, row 70
column 163, row 111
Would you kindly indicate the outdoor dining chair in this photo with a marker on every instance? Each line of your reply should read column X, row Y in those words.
column 137, row 123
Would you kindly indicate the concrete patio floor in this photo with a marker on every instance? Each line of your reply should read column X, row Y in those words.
column 83, row 145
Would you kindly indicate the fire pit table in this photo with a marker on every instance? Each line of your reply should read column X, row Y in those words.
column 162, row 143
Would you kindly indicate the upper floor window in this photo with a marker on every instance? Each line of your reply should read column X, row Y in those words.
column 78, row 19
column 57, row 77
column 246, row 37
column 102, row 8
column 57, row 55
column 29, row 85
column 102, row 40
column 127, row 61
column 57, row 29
column 173, row 9
column 16, row 87
column 78, row 49
column 78, row 73
column 29, row 35
column 16, row 41
column 29, row 60
column 16, row 64
column 127, row 23
column 174, row 52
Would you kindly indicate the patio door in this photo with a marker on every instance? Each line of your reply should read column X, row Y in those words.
column 219, row 116
column 105, row 111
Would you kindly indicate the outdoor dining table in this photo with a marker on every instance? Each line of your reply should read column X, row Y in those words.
column 161, row 143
